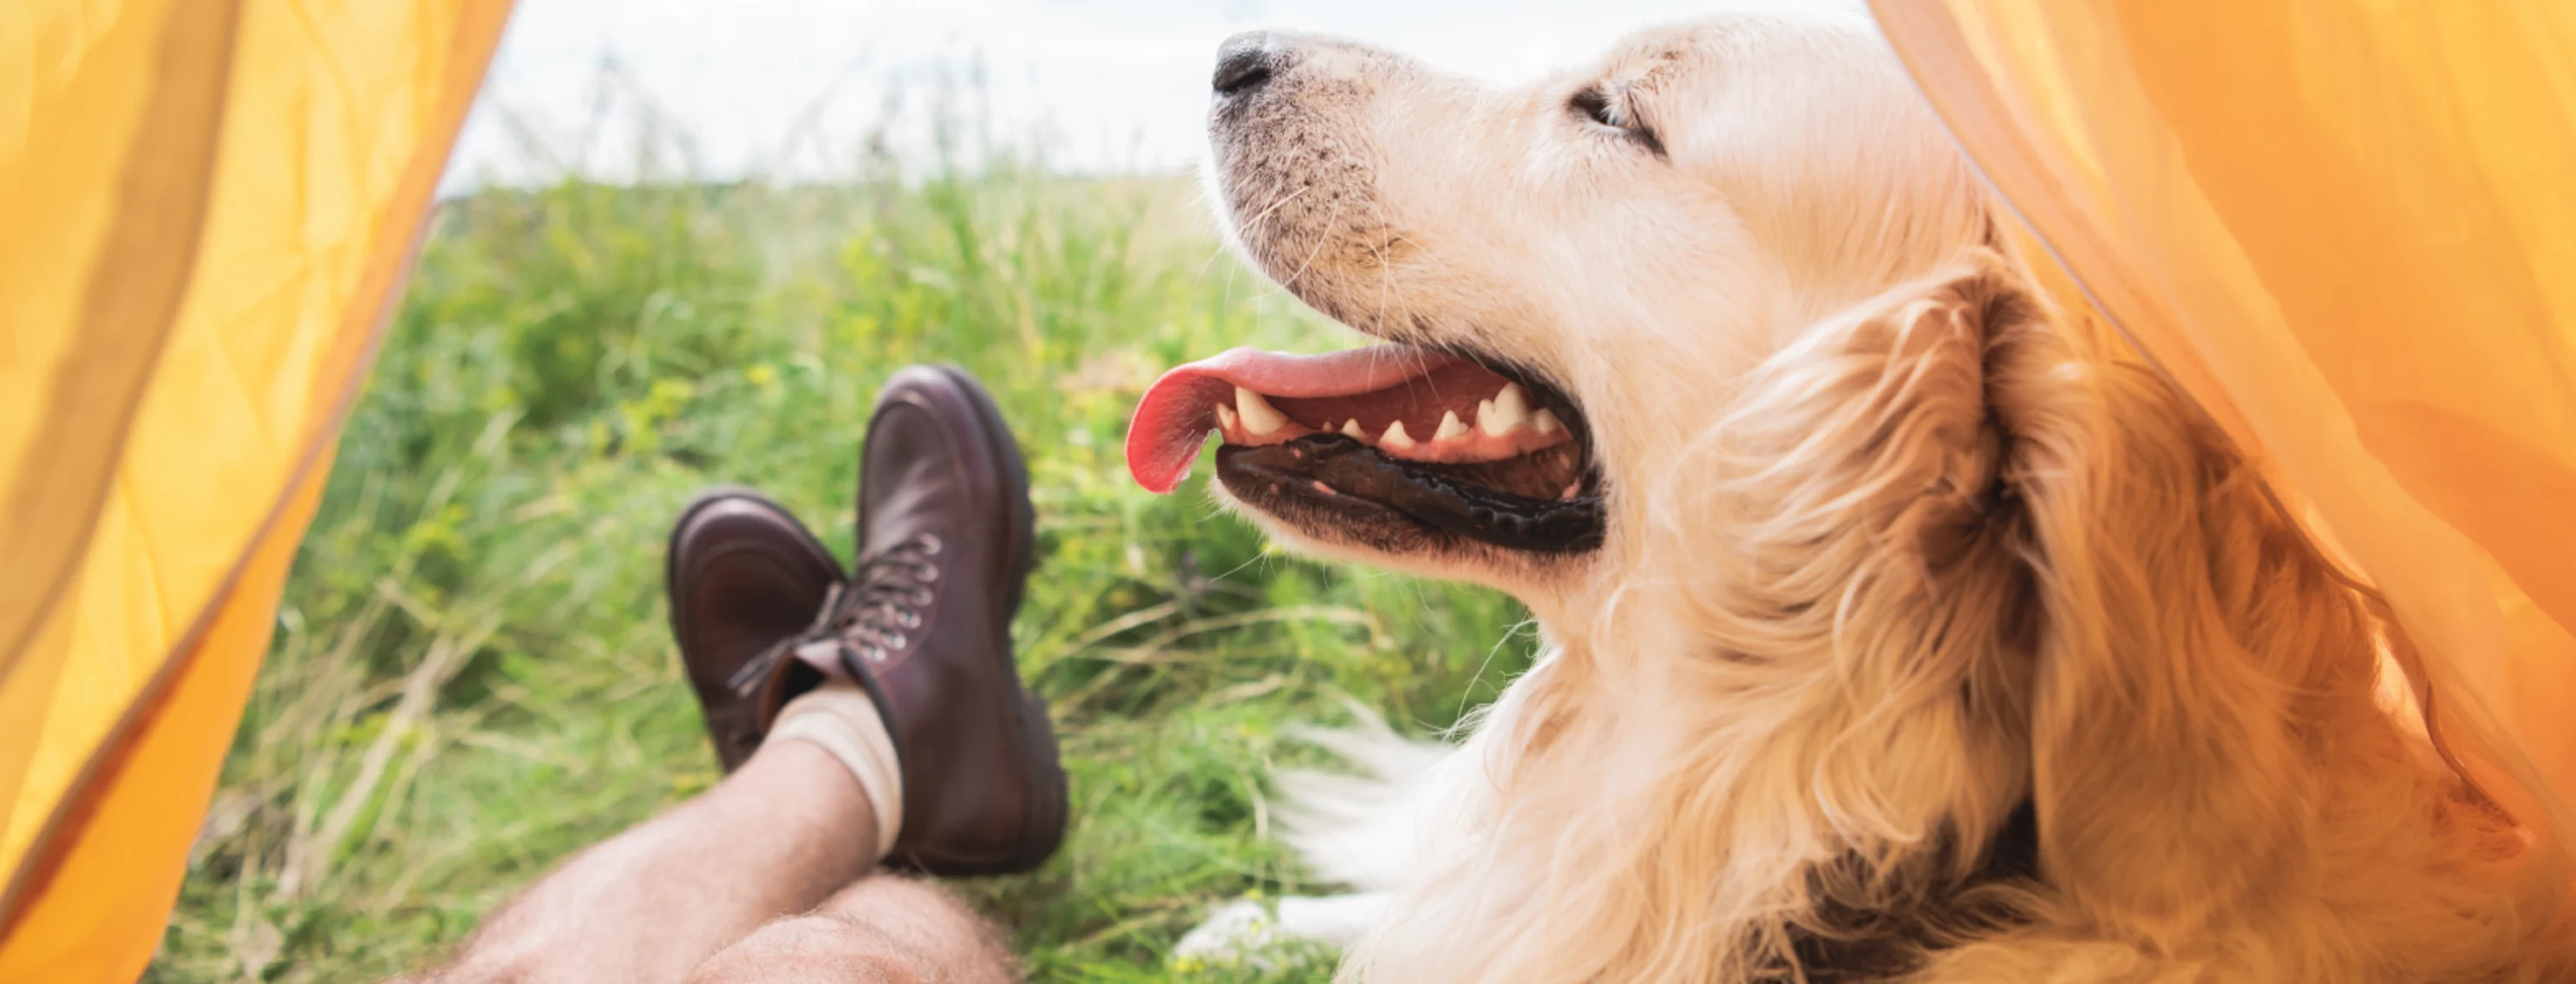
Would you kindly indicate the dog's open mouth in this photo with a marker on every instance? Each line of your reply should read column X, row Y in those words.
column 1449, row 442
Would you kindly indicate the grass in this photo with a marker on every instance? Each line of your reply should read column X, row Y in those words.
column 472, row 675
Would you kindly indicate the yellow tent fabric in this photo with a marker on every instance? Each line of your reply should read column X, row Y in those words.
column 205, row 208
column 2350, row 230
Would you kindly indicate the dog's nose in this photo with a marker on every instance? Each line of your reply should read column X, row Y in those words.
column 1243, row 62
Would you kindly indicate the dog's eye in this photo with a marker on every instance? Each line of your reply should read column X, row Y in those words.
column 1595, row 105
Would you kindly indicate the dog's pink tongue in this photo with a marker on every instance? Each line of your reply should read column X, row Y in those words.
column 1173, row 420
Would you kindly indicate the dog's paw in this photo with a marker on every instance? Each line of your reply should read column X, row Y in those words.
column 1234, row 933
column 1248, row 933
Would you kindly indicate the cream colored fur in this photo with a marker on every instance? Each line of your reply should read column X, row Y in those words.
column 1889, row 554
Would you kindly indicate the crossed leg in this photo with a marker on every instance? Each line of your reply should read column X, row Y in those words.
column 814, row 681
column 766, row 877
column 883, row 930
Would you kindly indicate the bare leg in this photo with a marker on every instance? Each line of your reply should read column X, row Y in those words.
column 777, row 837
column 885, row 930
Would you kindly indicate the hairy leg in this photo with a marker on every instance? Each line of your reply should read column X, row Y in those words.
column 777, row 837
column 885, row 930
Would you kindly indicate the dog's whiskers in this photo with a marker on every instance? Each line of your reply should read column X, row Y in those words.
column 1290, row 280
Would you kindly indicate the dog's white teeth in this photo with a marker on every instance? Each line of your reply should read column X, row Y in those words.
column 1396, row 438
column 1544, row 421
column 1260, row 419
column 1450, row 426
column 1570, row 492
column 1351, row 429
column 1505, row 413
column 1226, row 419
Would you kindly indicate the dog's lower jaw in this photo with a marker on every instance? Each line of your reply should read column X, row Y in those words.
column 1536, row 580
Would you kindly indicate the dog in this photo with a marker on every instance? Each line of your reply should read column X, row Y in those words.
column 1894, row 630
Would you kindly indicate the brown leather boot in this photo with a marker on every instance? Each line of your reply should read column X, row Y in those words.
column 945, row 533
column 743, row 575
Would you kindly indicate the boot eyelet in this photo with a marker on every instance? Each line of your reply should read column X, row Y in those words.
column 930, row 544
column 876, row 655
column 899, row 641
column 910, row 620
column 930, row 574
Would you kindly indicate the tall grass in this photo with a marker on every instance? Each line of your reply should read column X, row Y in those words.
column 473, row 677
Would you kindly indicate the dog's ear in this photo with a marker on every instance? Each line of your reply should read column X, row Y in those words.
column 1847, row 553
column 1982, row 519
column 2189, row 639
column 2030, row 569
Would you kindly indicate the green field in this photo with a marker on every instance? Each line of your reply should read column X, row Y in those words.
column 472, row 674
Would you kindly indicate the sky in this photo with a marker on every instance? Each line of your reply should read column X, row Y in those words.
column 793, row 89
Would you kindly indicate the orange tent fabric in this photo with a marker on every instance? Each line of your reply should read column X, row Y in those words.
column 205, row 208
column 2350, row 230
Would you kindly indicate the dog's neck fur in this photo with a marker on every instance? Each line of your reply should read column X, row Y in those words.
column 1871, row 940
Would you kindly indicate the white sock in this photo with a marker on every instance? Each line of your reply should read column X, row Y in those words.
column 839, row 717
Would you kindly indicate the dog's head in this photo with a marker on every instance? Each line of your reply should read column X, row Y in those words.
column 1571, row 275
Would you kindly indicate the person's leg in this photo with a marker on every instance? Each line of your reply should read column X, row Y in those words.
column 884, row 930
column 877, row 716
column 777, row 837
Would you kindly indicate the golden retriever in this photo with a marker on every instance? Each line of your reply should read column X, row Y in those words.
column 1893, row 632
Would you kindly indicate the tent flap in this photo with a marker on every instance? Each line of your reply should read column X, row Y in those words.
column 2348, row 230
column 205, row 208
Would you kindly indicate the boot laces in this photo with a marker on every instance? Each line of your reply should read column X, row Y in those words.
column 870, row 617
column 885, row 600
